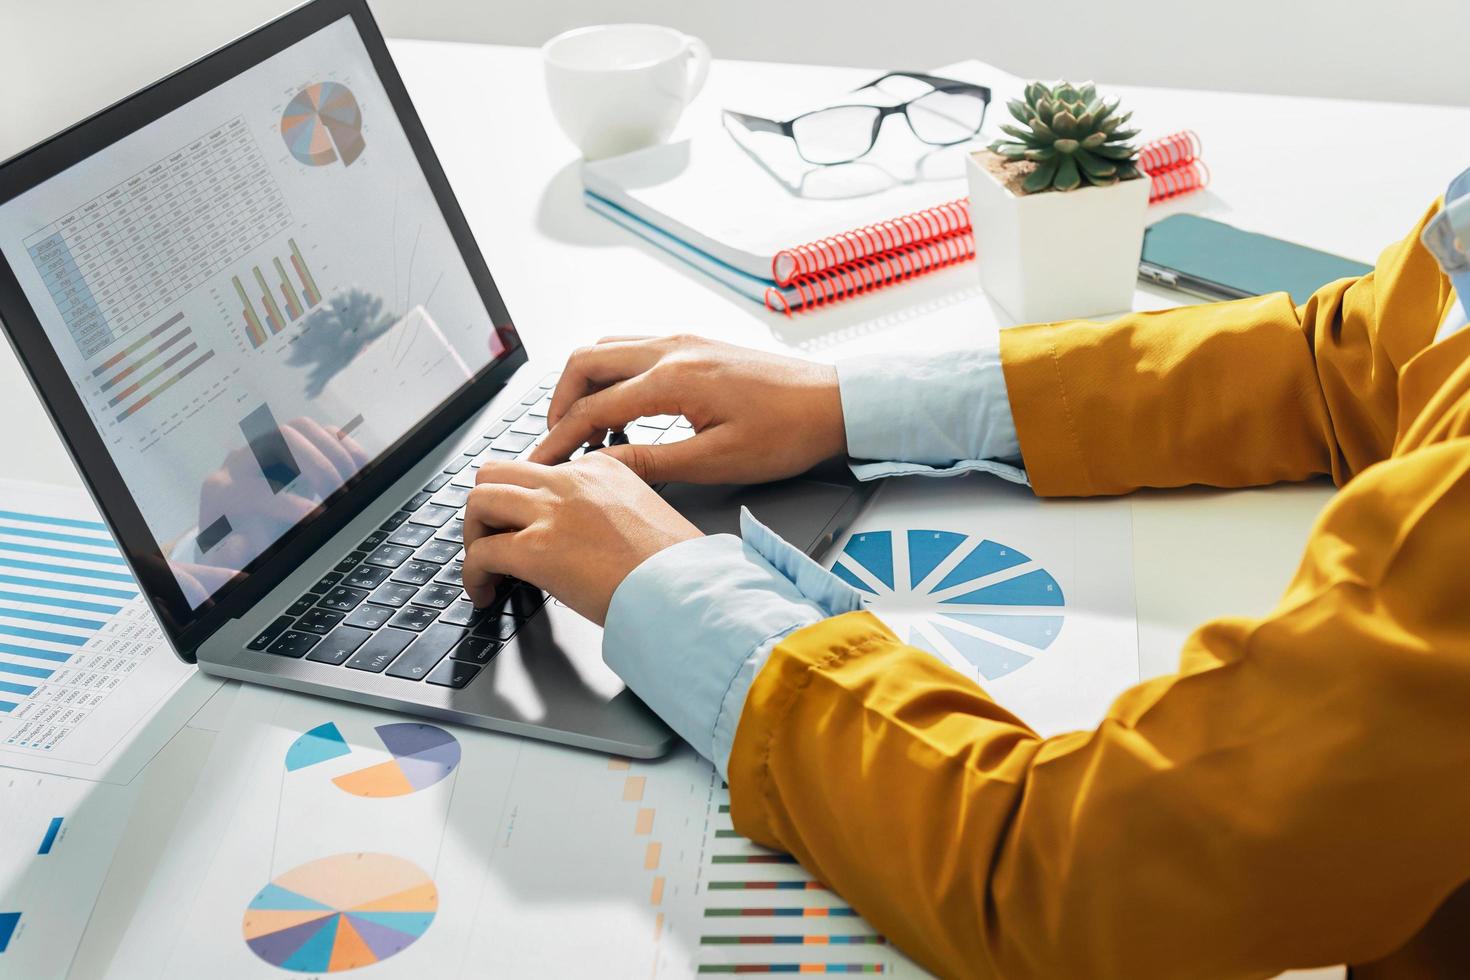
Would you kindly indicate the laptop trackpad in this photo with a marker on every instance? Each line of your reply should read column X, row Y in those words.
column 803, row 511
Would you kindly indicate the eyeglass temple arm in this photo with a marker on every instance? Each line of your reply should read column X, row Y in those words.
column 937, row 81
column 759, row 124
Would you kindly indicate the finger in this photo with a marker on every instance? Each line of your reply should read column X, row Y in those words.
column 487, row 560
column 317, row 475
column 493, row 507
column 516, row 472
column 328, row 445
column 593, row 368
column 611, row 408
column 693, row 460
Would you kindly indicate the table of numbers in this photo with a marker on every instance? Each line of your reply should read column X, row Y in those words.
column 137, row 248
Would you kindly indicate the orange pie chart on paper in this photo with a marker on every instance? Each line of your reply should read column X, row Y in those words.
column 340, row 913
column 422, row 756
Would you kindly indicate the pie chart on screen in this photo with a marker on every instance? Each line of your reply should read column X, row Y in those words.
column 971, row 601
column 323, row 123
column 340, row 913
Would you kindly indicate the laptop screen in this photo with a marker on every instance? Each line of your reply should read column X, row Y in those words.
column 255, row 296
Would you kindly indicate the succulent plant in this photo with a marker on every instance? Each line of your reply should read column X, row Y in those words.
column 1072, row 134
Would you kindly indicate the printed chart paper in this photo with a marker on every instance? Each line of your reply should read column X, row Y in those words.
column 57, row 840
column 1034, row 599
column 89, row 687
column 326, row 837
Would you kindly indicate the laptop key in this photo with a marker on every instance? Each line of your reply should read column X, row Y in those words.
column 426, row 651
column 417, row 501
column 393, row 523
column 451, row 574
column 530, row 425
column 301, row 605
column 513, row 442
column 346, row 564
column 415, row 572
column 416, row 618
column 338, row 645
column 436, row 595
column 434, row 484
column 275, row 629
column 439, row 552
column 550, row 380
column 456, row 464
column 433, row 515
column 477, row 447
column 411, row 535
column 372, row 541
column 370, row 615
column 461, row 613
column 453, row 531
column 293, row 643
column 342, row 599
column 476, row 650
column 658, row 421
column 496, row 429
column 513, row 413
column 452, row 496
column 389, row 555
column 366, row 577
column 393, row 594
column 378, row 652
column 325, row 582
column 500, row 627
column 319, row 621
column 453, row 673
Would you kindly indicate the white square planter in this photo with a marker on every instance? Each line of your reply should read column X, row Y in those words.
column 1055, row 255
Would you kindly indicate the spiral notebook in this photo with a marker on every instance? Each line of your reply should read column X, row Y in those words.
column 793, row 236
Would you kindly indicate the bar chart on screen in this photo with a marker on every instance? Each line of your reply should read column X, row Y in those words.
column 82, row 661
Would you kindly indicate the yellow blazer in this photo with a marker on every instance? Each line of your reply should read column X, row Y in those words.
column 1298, row 794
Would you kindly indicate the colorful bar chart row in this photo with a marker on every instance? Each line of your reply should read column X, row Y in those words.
column 791, row 968
column 255, row 325
column 139, row 366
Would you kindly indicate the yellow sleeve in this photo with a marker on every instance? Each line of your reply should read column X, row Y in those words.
column 1230, row 394
column 1296, row 796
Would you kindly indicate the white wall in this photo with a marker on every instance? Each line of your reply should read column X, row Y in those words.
column 60, row 59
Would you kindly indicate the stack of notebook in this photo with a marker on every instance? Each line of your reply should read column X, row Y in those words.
column 749, row 213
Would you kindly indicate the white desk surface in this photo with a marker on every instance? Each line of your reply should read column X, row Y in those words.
column 1349, row 177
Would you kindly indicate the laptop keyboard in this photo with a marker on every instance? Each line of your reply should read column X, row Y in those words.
column 395, row 605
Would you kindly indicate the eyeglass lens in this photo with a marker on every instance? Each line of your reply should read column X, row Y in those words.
column 835, row 135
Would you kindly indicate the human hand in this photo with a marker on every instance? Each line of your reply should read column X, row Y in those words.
column 258, row 514
column 575, row 531
column 756, row 416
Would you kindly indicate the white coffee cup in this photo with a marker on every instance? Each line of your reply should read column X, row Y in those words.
column 620, row 87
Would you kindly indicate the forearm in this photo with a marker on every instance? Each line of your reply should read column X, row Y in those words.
column 1252, row 814
column 1226, row 394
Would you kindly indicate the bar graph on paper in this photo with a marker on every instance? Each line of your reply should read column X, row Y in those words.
column 78, row 647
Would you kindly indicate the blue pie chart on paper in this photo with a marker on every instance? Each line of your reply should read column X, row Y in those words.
column 967, row 599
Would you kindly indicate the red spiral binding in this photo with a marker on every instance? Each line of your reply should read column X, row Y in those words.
column 874, row 271
column 855, row 262
column 931, row 224
column 1168, row 152
column 1179, row 179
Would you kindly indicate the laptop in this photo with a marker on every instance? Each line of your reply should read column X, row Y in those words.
column 259, row 321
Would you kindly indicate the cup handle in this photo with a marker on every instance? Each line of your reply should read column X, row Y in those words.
column 698, row 67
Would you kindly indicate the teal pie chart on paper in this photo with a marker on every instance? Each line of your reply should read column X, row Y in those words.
column 964, row 598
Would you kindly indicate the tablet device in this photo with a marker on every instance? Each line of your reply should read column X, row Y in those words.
column 1215, row 260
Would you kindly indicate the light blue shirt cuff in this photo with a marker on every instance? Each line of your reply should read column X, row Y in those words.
column 689, row 629
column 933, row 414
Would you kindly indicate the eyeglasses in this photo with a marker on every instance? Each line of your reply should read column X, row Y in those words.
column 950, row 112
